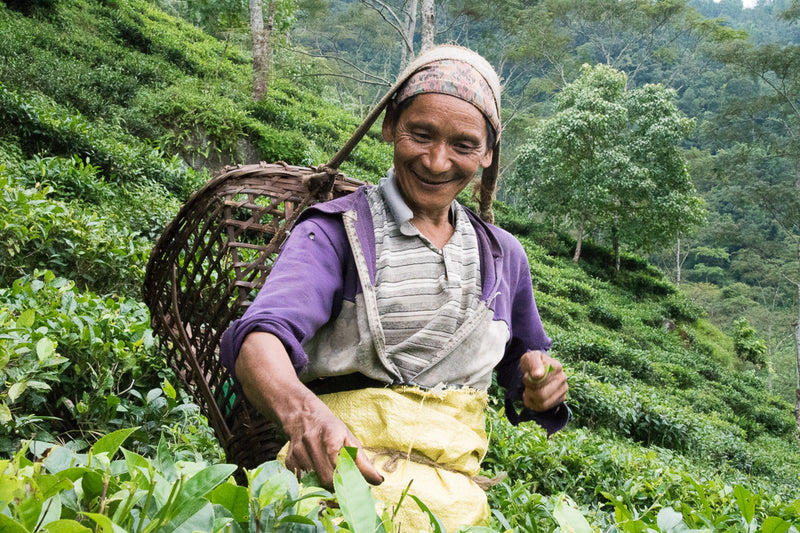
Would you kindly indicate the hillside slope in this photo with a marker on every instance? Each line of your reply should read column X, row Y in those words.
column 110, row 114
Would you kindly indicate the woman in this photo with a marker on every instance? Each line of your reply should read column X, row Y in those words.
column 414, row 302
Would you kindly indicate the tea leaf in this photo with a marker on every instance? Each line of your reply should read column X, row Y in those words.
column 26, row 318
column 45, row 349
column 354, row 495
column 110, row 443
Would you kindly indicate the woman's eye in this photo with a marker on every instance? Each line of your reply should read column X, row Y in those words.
column 420, row 135
column 464, row 148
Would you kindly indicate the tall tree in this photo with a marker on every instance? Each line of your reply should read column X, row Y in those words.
column 771, row 120
column 608, row 159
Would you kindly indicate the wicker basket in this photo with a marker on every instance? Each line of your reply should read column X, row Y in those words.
column 205, row 270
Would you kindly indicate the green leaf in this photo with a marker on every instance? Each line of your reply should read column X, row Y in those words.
column 193, row 515
column 436, row 524
column 66, row 526
column 774, row 524
column 45, row 349
column 569, row 518
column 165, row 465
column 26, row 318
column 104, row 523
column 296, row 519
column 746, row 502
column 110, row 443
column 205, row 481
column 354, row 495
column 9, row 525
column 668, row 519
column 15, row 390
column 233, row 498
column 279, row 485
column 169, row 390
column 5, row 414
column 52, row 507
column 29, row 510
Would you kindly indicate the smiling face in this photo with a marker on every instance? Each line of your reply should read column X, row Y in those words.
column 439, row 145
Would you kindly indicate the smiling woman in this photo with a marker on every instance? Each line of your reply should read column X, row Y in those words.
column 414, row 303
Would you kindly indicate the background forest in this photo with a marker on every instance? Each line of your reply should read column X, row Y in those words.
column 675, row 306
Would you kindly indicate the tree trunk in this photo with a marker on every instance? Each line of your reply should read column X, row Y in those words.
column 580, row 240
column 407, row 54
column 262, row 51
column 797, row 351
column 678, row 264
column 428, row 24
column 770, row 369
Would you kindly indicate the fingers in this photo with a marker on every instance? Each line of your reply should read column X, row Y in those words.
column 548, row 394
column 544, row 380
column 367, row 468
column 319, row 451
column 534, row 364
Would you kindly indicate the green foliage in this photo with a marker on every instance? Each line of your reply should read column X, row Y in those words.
column 748, row 346
column 69, row 358
column 43, row 125
column 608, row 159
column 38, row 232
column 113, row 489
column 617, row 485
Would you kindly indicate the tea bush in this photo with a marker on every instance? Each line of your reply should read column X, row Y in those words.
column 42, row 125
column 37, row 232
column 69, row 358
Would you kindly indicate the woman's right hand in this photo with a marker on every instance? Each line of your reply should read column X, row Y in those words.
column 315, row 434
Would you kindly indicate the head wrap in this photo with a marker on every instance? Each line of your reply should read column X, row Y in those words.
column 453, row 78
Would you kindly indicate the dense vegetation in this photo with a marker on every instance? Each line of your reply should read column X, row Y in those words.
column 112, row 112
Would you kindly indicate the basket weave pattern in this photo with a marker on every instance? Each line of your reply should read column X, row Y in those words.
column 205, row 270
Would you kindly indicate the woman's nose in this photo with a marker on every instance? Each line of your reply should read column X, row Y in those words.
column 437, row 159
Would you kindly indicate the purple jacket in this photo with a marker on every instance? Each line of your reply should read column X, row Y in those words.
column 317, row 265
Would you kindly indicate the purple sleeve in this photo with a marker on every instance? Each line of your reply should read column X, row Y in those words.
column 302, row 292
column 527, row 333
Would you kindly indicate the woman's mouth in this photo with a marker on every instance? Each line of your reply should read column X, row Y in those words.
column 432, row 182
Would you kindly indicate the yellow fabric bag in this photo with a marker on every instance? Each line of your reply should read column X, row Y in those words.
column 435, row 438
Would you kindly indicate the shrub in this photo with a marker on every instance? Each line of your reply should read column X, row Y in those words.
column 603, row 315
column 678, row 308
column 67, row 178
column 68, row 357
column 45, row 126
column 37, row 232
column 748, row 346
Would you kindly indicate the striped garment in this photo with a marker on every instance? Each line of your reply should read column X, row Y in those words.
column 424, row 294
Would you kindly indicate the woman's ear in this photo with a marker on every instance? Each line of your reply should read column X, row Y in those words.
column 389, row 118
column 486, row 160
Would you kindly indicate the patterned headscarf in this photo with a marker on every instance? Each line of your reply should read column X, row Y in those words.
column 454, row 78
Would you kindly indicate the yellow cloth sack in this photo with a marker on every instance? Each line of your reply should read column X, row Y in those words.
column 435, row 438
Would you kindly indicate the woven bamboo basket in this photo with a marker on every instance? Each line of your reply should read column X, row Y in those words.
column 205, row 271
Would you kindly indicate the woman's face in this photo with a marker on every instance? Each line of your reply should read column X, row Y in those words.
column 439, row 145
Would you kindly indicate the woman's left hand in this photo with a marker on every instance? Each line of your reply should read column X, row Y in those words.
column 544, row 379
